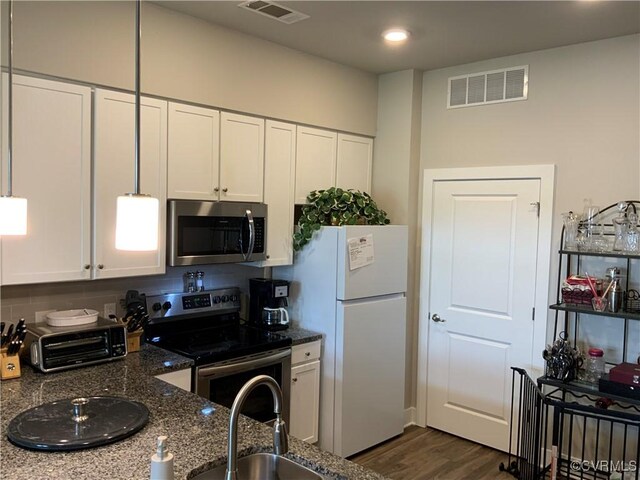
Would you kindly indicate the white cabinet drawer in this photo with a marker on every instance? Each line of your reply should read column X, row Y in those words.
column 305, row 352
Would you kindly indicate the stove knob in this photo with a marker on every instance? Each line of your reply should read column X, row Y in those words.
column 156, row 307
column 216, row 299
column 225, row 298
column 166, row 305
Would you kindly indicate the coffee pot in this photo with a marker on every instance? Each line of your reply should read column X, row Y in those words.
column 267, row 302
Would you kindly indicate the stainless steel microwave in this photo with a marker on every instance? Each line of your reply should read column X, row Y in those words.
column 201, row 232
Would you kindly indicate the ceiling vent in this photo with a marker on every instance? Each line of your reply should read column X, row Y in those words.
column 495, row 86
column 274, row 11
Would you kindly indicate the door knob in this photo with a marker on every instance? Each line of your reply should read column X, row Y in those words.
column 436, row 318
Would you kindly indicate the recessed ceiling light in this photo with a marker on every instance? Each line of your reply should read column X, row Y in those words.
column 396, row 35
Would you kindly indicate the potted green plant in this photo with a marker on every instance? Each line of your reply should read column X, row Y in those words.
column 334, row 207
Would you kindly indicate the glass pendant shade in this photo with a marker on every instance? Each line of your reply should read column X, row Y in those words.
column 13, row 216
column 137, row 223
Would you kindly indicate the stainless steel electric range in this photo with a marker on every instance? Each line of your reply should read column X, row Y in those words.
column 205, row 327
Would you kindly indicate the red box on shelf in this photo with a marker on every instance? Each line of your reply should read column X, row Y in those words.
column 627, row 373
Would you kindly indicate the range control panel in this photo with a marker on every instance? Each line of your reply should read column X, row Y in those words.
column 209, row 301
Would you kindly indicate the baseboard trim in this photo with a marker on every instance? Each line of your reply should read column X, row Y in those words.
column 410, row 415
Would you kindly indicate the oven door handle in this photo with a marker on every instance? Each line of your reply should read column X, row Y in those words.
column 252, row 235
column 242, row 366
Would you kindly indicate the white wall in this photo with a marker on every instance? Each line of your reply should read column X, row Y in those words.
column 582, row 114
column 395, row 183
column 192, row 60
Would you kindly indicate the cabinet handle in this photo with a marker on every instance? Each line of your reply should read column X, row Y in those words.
column 100, row 266
column 225, row 189
column 307, row 354
column 216, row 189
column 87, row 266
column 294, row 380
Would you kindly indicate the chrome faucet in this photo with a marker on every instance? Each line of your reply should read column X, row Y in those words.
column 280, row 441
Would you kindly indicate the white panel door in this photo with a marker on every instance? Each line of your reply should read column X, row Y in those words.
column 305, row 398
column 241, row 158
column 315, row 161
column 194, row 152
column 388, row 272
column 279, row 178
column 483, row 273
column 52, row 169
column 355, row 162
column 369, row 373
column 113, row 170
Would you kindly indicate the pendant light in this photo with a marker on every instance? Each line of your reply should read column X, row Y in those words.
column 137, row 214
column 13, row 210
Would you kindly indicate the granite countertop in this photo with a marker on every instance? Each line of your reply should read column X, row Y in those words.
column 197, row 428
column 301, row 335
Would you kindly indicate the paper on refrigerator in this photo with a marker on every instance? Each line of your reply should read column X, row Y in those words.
column 360, row 251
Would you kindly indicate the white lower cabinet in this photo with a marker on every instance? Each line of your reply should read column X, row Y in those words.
column 305, row 391
column 52, row 170
column 114, row 176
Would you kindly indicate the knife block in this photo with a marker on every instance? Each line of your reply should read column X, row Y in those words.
column 133, row 341
column 9, row 365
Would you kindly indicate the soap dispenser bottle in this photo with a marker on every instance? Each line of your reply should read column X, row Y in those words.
column 162, row 461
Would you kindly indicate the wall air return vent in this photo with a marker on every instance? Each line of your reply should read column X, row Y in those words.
column 496, row 86
column 274, row 11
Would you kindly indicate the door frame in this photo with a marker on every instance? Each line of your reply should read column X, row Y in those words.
column 546, row 175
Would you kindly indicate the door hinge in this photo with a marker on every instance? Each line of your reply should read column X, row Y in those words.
column 533, row 314
column 537, row 205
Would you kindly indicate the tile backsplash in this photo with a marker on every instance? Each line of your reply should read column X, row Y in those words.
column 23, row 301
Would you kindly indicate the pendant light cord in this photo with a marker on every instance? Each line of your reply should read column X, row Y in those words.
column 10, row 107
column 137, row 107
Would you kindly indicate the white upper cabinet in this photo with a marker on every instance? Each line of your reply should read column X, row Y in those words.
column 315, row 161
column 194, row 152
column 241, row 158
column 355, row 160
column 51, row 168
column 114, row 172
column 279, row 178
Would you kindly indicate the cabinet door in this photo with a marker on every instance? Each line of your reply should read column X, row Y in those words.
column 194, row 152
column 51, row 168
column 355, row 160
column 241, row 158
column 305, row 397
column 315, row 161
column 114, row 170
column 279, row 178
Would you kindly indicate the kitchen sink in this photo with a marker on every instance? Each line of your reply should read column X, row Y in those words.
column 263, row 466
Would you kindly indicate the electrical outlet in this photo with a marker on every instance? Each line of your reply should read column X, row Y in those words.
column 109, row 309
column 41, row 316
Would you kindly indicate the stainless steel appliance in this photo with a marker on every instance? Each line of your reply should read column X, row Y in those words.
column 268, row 299
column 202, row 232
column 205, row 326
column 50, row 349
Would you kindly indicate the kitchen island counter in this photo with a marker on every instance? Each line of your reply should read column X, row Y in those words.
column 197, row 428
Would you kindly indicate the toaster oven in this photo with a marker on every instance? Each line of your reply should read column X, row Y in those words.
column 50, row 349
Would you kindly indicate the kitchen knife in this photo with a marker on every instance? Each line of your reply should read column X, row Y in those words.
column 16, row 342
column 20, row 327
column 7, row 338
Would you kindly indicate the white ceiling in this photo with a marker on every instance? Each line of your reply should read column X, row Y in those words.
column 444, row 33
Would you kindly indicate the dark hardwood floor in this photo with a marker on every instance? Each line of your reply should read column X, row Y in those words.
column 428, row 454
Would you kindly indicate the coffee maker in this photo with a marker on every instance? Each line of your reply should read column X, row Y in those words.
column 267, row 302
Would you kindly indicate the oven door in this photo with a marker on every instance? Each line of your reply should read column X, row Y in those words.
column 222, row 381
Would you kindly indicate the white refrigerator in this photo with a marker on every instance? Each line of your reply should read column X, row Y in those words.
column 362, row 313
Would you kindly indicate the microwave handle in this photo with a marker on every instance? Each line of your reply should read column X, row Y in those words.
column 252, row 235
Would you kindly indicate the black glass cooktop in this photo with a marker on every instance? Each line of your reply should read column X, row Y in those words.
column 215, row 344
